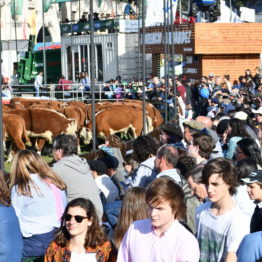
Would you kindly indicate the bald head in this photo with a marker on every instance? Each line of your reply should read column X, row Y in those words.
column 205, row 120
column 170, row 154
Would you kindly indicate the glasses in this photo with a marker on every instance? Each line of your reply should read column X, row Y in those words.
column 77, row 218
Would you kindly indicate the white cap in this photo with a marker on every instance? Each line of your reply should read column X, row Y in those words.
column 241, row 115
column 258, row 111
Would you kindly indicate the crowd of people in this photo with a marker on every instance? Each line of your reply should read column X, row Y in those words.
column 209, row 96
column 193, row 192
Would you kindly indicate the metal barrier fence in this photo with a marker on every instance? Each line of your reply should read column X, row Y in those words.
column 76, row 91
column 72, row 91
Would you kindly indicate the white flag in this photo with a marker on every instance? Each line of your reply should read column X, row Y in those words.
column 155, row 11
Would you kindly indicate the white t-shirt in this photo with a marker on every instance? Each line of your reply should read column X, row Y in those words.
column 107, row 186
column 243, row 201
column 218, row 235
column 84, row 257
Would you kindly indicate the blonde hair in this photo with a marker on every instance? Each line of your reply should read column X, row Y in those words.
column 28, row 162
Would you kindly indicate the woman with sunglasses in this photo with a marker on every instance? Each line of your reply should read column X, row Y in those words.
column 39, row 199
column 80, row 237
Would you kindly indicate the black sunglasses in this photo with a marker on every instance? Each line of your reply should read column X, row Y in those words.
column 77, row 218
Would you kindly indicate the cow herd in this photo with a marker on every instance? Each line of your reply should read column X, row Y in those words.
column 36, row 121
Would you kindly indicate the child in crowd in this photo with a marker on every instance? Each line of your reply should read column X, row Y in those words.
column 254, row 189
column 103, row 181
column 129, row 164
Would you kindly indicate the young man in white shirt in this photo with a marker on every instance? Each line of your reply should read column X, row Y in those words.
column 221, row 225
column 161, row 237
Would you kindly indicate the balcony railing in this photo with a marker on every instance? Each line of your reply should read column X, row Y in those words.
column 112, row 25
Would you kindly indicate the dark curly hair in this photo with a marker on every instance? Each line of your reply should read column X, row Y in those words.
column 114, row 141
column 144, row 147
column 94, row 236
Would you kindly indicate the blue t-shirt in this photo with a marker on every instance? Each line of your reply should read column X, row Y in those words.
column 129, row 10
column 250, row 248
column 11, row 243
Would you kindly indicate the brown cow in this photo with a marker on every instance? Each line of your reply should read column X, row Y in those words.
column 152, row 111
column 75, row 112
column 45, row 123
column 19, row 102
column 113, row 121
column 154, row 118
column 79, row 104
column 71, row 112
column 14, row 129
column 52, row 105
column 24, row 101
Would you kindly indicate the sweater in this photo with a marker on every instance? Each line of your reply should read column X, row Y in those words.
column 75, row 173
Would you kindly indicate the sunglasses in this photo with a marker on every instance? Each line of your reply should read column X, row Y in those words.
column 77, row 218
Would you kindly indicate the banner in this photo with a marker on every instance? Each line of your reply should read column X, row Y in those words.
column 155, row 11
column 16, row 7
column 128, row 26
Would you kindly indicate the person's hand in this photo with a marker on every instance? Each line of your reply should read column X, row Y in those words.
column 225, row 136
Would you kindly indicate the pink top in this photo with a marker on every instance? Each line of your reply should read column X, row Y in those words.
column 182, row 90
column 140, row 243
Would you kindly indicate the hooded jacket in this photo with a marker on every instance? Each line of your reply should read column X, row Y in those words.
column 75, row 173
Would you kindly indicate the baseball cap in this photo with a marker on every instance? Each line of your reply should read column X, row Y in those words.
column 258, row 111
column 241, row 115
column 255, row 176
column 211, row 75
